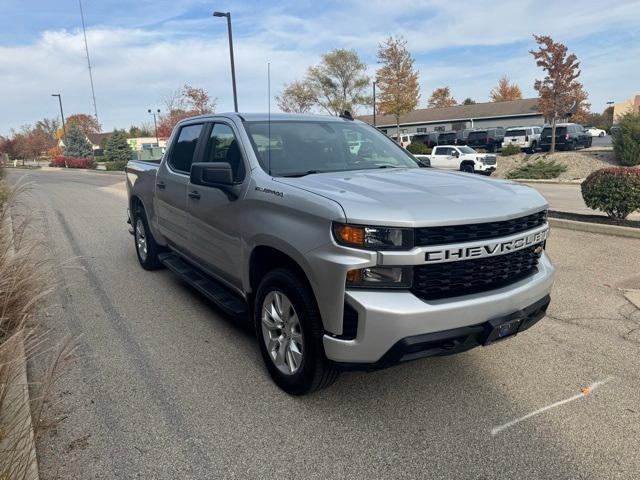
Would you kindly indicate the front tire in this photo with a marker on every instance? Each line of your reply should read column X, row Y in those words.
column 467, row 167
column 147, row 249
column 289, row 331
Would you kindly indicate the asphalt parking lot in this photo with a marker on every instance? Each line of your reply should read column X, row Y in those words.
column 165, row 386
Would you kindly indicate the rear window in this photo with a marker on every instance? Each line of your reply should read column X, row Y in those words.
column 559, row 131
column 185, row 147
column 515, row 133
column 477, row 135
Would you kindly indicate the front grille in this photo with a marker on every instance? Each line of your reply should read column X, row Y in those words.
column 452, row 279
column 489, row 160
column 477, row 231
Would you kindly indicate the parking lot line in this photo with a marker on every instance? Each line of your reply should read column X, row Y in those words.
column 583, row 393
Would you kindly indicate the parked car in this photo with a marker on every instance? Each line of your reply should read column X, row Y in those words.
column 338, row 260
column 490, row 139
column 569, row 136
column 453, row 137
column 595, row 132
column 527, row 138
column 460, row 157
column 429, row 139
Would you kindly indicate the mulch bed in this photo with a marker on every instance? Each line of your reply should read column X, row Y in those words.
column 594, row 219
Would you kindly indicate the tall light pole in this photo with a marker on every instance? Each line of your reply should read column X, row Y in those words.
column 374, row 104
column 64, row 128
column 86, row 48
column 155, row 124
column 233, row 68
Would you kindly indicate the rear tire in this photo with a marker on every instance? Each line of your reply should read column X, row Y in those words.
column 291, row 339
column 147, row 249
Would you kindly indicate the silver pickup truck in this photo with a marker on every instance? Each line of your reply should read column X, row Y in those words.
column 342, row 251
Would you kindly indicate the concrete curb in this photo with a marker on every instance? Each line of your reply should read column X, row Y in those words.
column 614, row 230
column 551, row 182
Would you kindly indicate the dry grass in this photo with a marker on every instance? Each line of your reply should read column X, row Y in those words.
column 24, row 283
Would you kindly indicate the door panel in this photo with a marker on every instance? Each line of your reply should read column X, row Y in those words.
column 213, row 214
column 171, row 187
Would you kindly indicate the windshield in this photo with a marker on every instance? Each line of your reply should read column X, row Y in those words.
column 559, row 131
column 465, row 149
column 302, row 147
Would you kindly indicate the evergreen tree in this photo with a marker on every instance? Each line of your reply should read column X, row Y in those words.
column 117, row 148
column 76, row 143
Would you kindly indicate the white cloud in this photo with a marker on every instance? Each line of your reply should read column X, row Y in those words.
column 466, row 46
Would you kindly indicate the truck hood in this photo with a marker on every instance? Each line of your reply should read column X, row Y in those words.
column 420, row 197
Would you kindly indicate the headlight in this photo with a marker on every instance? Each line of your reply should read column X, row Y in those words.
column 373, row 238
column 387, row 277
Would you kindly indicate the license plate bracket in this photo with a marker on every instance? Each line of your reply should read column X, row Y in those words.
column 504, row 329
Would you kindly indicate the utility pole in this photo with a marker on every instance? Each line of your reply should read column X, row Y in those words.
column 86, row 48
column 233, row 68
column 64, row 128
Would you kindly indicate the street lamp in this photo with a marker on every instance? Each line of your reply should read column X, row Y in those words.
column 64, row 128
column 155, row 124
column 374, row 104
column 233, row 69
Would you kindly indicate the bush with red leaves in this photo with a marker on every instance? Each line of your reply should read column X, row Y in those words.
column 72, row 162
column 615, row 191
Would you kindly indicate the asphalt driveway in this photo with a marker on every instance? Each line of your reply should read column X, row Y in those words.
column 165, row 386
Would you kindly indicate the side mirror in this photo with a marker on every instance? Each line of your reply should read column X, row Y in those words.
column 455, row 153
column 211, row 174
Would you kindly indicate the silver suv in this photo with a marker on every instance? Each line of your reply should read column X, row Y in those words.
column 341, row 250
column 527, row 138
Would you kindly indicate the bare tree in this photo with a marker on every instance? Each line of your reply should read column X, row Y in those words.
column 557, row 90
column 505, row 91
column 296, row 97
column 397, row 80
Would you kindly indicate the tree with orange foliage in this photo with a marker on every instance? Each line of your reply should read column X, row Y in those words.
column 557, row 90
column 441, row 97
column 397, row 80
column 185, row 103
column 581, row 110
column 505, row 91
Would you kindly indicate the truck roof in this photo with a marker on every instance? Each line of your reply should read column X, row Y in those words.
column 263, row 117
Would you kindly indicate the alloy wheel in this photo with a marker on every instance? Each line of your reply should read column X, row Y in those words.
column 282, row 332
column 141, row 239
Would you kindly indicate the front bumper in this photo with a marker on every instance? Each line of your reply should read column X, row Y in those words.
column 386, row 318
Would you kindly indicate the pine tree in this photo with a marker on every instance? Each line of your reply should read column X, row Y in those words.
column 76, row 143
column 117, row 148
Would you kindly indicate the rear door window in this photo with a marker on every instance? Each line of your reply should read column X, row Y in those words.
column 443, row 150
column 184, row 149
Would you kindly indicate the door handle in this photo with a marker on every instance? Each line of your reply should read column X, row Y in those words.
column 160, row 185
column 195, row 195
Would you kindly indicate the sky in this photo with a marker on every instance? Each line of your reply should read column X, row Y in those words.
column 143, row 50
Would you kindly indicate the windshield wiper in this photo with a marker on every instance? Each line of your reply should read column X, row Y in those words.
column 300, row 174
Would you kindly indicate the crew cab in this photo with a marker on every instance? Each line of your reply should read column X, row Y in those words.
column 453, row 137
column 569, row 136
column 333, row 242
column 460, row 157
column 527, row 138
column 489, row 139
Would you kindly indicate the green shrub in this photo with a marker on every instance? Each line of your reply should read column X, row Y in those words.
column 113, row 166
column 510, row 150
column 419, row 148
column 626, row 140
column 615, row 191
column 538, row 170
column 101, row 158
